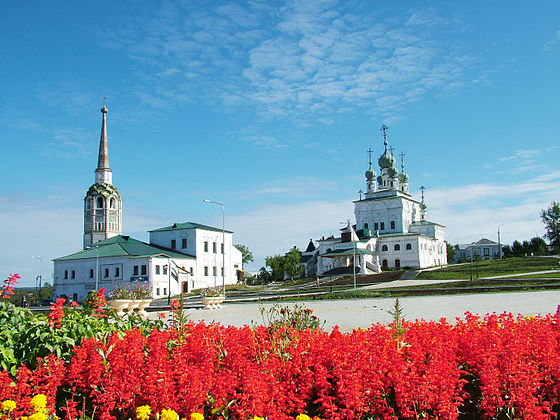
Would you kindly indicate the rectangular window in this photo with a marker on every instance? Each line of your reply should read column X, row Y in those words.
column 157, row 291
column 191, row 271
column 486, row 252
column 73, row 274
column 135, row 270
column 214, row 247
column 214, row 271
column 184, row 243
column 65, row 274
column 165, row 269
column 392, row 224
column 144, row 270
column 165, row 291
column 157, row 269
column 117, row 271
column 205, row 246
column 382, row 225
column 222, row 272
column 206, row 270
column 222, row 248
column 173, row 244
column 376, row 226
column 91, row 273
column 106, row 273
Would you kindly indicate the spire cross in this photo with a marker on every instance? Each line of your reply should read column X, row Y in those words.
column 402, row 155
column 369, row 152
column 384, row 128
column 422, row 188
column 391, row 148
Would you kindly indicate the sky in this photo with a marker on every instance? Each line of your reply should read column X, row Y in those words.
column 270, row 107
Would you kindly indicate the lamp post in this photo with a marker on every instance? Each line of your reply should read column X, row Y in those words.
column 168, row 267
column 223, row 243
column 40, row 276
column 353, row 250
column 96, row 265
column 499, row 243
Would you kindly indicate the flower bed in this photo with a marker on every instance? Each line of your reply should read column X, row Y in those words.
column 499, row 366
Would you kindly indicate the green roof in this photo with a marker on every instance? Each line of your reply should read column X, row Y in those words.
column 350, row 251
column 122, row 246
column 188, row 225
column 425, row 222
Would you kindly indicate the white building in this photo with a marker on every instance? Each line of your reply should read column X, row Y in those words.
column 180, row 257
column 391, row 229
column 483, row 248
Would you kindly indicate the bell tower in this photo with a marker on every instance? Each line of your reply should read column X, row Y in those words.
column 102, row 203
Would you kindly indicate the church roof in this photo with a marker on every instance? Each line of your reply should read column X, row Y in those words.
column 311, row 246
column 188, row 225
column 122, row 246
column 349, row 251
column 425, row 223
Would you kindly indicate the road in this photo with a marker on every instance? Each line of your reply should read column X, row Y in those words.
column 354, row 313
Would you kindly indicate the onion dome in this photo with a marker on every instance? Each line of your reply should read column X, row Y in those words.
column 403, row 177
column 386, row 160
column 423, row 206
column 370, row 174
column 379, row 180
column 392, row 172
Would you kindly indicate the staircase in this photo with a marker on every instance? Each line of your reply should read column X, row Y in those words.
column 409, row 275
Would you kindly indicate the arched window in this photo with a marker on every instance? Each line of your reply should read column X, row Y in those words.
column 385, row 264
column 397, row 263
column 366, row 226
column 392, row 224
column 397, row 247
column 112, row 202
column 99, row 202
column 88, row 203
column 408, row 246
column 384, row 248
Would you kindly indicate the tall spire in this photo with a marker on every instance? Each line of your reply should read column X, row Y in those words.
column 103, row 173
column 384, row 129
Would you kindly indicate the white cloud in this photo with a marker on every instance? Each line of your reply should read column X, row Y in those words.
column 300, row 61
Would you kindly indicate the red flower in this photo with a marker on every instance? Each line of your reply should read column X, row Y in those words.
column 8, row 288
column 56, row 313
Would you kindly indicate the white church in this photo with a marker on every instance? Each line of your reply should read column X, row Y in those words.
column 391, row 229
column 179, row 257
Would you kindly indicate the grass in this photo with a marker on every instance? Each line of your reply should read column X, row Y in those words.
column 490, row 268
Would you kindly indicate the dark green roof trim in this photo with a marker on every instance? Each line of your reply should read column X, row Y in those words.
column 123, row 246
column 188, row 225
column 350, row 251
column 425, row 223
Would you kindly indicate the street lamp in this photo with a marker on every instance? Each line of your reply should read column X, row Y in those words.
column 96, row 248
column 353, row 250
column 168, row 268
column 499, row 243
column 40, row 276
column 223, row 243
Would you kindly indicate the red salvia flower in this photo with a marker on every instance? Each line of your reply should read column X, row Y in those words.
column 56, row 313
column 8, row 288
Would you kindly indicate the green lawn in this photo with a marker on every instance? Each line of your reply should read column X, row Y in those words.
column 489, row 268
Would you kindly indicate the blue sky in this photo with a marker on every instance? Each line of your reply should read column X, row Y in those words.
column 270, row 107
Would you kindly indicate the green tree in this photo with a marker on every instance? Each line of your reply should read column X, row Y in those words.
column 246, row 255
column 507, row 252
column 538, row 246
column 517, row 249
column 450, row 252
column 276, row 264
column 551, row 219
column 292, row 264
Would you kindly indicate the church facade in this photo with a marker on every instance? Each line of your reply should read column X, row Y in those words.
column 391, row 229
column 179, row 257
